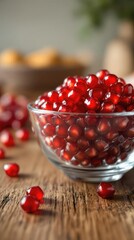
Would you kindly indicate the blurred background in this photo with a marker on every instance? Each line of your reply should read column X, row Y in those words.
column 44, row 41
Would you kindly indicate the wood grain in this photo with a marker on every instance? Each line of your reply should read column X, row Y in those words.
column 72, row 210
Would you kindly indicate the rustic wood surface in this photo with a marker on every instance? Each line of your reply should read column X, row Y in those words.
column 72, row 210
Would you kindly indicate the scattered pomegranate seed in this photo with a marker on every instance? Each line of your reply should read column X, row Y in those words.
column 7, row 138
column 29, row 204
column 101, row 74
column 105, row 190
column 35, row 192
column 110, row 79
column 92, row 81
column 11, row 169
column 22, row 134
column 2, row 153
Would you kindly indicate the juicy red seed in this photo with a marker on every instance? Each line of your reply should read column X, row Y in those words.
column 113, row 98
column 103, row 126
column 128, row 89
column 29, row 204
column 90, row 133
column 111, row 159
column 85, row 162
column 81, row 86
column 56, row 120
column 75, row 131
column 74, row 161
column 121, row 123
column 110, row 79
column 114, row 150
column 58, row 142
column 130, row 132
column 80, row 156
column 53, row 96
column 11, row 169
column 61, row 130
column 107, row 107
column 47, row 106
column 48, row 130
column 105, row 190
column 70, row 82
column 126, row 145
column 111, row 135
column 72, row 148
column 126, row 100
column 91, row 104
column 48, row 141
column 98, row 93
column 2, row 153
column 91, row 152
column 130, row 108
column 35, row 192
column 92, row 81
column 96, row 162
column 22, row 134
column 117, row 88
column 7, row 138
column 121, row 80
column 102, row 73
column 83, row 143
column 81, row 122
column 119, row 108
column 65, row 155
column 123, row 156
column 64, row 108
column 74, row 95
column 101, row 144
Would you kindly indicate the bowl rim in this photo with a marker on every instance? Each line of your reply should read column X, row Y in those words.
column 42, row 111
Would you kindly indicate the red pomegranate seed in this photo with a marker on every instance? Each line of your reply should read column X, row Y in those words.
column 102, row 73
column 114, row 150
column 101, row 145
column 62, row 130
column 81, row 122
column 91, row 152
column 74, row 162
column 53, row 96
column 65, row 155
column 58, row 142
column 83, row 143
column 125, row 100
column 35, row 192
column 111, row 159
column 70, row 82
column 117, row 88
column 112, row 135
column 29, row 204
column 128, row 89
column 85, row 162
column 72, row 148
column 130, row 132
column 121, row 122
column 103, row 126
column 90, row 133
column 107, row 107
column 119, row 108
column 92, row 81
column 105, row 190
column 74, row 95
column 110, row 79
column 96, row 162
column 2, row 153
column 75, row 131
column 123, row 155
column 47, row 106
column 11, row 169
column 113, row 98
column 57, row 120
column 82, row 87
column 80, row 156
column 48, row 130
column 22, row 134
column 7, row 138
column 121, row 80
column 98, row 93
column 64, row 108
column 91, row 104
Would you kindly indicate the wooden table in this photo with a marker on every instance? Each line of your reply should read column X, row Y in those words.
column 72, row 210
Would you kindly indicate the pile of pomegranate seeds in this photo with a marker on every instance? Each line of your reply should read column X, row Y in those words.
column 103, row 92
column 82, row 137
column 13, row 111
column 105, row 190
column 31, row 202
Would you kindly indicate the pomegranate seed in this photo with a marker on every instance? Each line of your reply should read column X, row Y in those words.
column 117, row 88
column 80, row 156
column 29, row 204
column 82, row 87
column 101, row 74
column 110, row 79
column 111, row 159
column 121, row 122
column 96, row 162
column 7, row 138
column 22, row 134
column 128, row 89
column 66, row 155
column 83, row 143
column 2, row 153
column 74, row 161
column 101, row 145
column 105, row 190
column 91, row 152
column 35, row 192
column 103, row 126
column 126, row 100
column 98, row 93
column 75, row 131
column 107, row 107
column 53, row 96
column 61, row 130
column 58, row 142
column 130, row 132
column 47, row 106
column 92, row 81
column 11, row 169
column 121, row 80
column 90, row 133
column 112, row 136
column 72, row 148
column 74, row 95
column 70, row 82
column 113, row 98
column 85, row 162
column 123, row 156
column 91, row 104
column 48, row 130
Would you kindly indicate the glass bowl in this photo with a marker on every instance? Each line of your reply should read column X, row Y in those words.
column 91, row 147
